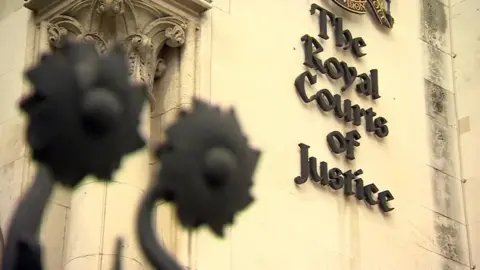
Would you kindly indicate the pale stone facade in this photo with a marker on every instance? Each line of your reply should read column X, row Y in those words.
column 248, row 54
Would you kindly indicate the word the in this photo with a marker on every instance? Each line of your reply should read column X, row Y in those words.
column 343, row 37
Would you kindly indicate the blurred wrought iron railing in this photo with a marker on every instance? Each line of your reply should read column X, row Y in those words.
column 85, row 121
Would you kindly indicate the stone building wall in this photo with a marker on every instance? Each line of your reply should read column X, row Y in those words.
column 257, row 54
column 248, row 54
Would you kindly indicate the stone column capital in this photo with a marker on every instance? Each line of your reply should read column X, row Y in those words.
column 143, row 27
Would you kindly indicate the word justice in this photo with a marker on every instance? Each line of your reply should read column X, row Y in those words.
column 337, row 179
column 346, row 111
column 336, row 69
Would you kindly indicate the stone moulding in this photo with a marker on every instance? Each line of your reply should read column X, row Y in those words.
column 42, row 7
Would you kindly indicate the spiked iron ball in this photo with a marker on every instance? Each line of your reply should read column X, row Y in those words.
column 83, row 113
column 207, row 167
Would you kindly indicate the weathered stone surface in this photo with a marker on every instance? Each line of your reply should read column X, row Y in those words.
column 444, row 154
column 440, row 104
column 448, row 237
column 434, row 25
column 437, row 66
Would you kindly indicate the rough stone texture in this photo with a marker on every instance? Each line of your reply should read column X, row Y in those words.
column 447, row 197
column 435, row 26
column 437, row 66
column 444, row 148
column 449, row 241
column 438, row 102
column 450, row 238
column 436, row 261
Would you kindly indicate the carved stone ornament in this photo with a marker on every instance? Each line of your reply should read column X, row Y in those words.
column 111, row 7
column 143, row 27
column 377, row 7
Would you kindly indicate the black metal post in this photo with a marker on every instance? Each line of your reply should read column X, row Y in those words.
column 22, row 250
column 152, row 249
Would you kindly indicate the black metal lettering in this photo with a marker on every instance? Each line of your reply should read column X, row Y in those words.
column 311, row 47
column 336, row 142
column 374, row 79
column 304, row 165
column 359, row 189
column 381, row 128
column 337, row 106
column 324, row 100
column 300, row 85
column 357, row 44
column 369, row 116
column 369, row 190
column 383, row 198
column 348, row 177
column 336, row 178
column 364, row 87
column 313, row 170
column 334, row 69
column 351, row 141
column 322, row 22
column 349, row 75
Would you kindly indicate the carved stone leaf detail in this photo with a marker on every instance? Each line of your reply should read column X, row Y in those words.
column 96, row 39
column 110, row 7
column 59, row 27
column 176, row 36
column 56, row 34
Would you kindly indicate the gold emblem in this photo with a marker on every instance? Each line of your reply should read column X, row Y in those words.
column 376, row 6
column 355, row 6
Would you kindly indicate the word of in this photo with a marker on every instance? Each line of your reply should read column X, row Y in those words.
column 339, row 143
